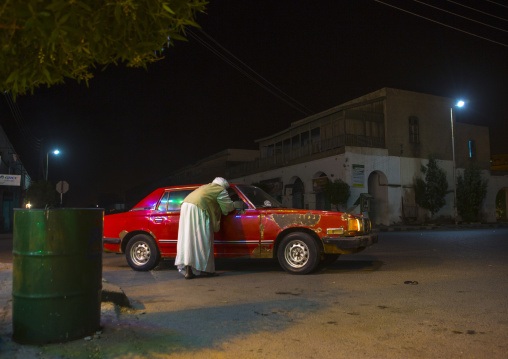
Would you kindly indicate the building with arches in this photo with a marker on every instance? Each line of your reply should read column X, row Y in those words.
column 377, row 144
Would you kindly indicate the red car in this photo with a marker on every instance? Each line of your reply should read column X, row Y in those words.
column 259, row 227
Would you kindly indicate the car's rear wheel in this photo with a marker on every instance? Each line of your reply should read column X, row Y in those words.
column 298, row 253
column 142, row 253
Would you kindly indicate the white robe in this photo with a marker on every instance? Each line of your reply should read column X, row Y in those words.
column 195, row 240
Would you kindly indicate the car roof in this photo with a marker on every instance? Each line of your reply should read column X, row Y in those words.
column 150, row 200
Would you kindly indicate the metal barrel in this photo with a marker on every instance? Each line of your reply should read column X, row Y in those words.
column 57, row 274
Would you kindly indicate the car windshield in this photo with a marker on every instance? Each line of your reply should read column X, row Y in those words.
column 258, row 197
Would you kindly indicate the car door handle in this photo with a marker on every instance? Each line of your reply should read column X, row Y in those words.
column 158, row 219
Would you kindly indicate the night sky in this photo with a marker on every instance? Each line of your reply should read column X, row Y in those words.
column 131, row 126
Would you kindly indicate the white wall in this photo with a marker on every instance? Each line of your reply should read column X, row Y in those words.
column 400, row 173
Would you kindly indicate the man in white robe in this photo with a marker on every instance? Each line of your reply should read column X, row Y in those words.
column 199, row 219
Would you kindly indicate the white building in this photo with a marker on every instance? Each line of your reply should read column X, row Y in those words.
column 377, row 144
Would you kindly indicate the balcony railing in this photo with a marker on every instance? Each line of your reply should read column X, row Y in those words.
column 298, row 154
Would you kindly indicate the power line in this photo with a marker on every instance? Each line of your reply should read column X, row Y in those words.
column 481, row 12
column 247, row 71
column 27, row 135
column 463, row 17
column 496, row 3
column 443, row 24
column 278, row 92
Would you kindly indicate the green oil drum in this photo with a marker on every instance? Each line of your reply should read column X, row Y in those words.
column 57, row 274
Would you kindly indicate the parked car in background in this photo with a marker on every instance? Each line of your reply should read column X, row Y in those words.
column 259, row 227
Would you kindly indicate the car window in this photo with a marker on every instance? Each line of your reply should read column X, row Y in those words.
column 172, row 200
column 233, row 195
column 258, row 197
column 163, row 204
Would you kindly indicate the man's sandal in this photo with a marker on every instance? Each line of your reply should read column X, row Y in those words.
column 189, row 274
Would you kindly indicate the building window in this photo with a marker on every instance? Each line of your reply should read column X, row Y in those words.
column 278, row 148
column 304, row 139
column 472, row 149
column 414, row 130
column 269, row 152
column 286, row 146
column 295, row 142
column 315, row 135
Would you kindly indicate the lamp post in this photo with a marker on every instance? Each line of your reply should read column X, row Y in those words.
column 55, row 152
column 459, row 104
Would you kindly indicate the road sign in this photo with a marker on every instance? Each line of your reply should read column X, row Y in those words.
column 62, row 187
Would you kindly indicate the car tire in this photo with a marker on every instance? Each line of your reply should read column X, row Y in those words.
column 142, row 253
column 298, row 253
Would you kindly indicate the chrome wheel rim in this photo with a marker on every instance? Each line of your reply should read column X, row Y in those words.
column 140, row 253
column 296, row 254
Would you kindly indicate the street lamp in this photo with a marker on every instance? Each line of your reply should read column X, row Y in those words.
column 459, row 104
column 55, row 152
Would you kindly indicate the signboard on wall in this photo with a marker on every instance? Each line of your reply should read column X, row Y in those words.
column 10, row 180
column 358, row 176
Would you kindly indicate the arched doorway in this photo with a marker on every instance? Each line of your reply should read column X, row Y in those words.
column 319, row 181
column 378, row 189
column 298, row 194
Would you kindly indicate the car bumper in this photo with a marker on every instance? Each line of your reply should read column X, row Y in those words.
column 349, row 243
column 106, row 240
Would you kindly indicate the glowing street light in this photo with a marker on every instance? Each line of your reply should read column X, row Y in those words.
column 55, row 152
column 459, row 104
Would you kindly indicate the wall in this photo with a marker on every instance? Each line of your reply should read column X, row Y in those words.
column 392, row 170
column 400, row 174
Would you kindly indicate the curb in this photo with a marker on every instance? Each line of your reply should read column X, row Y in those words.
column 114, row 294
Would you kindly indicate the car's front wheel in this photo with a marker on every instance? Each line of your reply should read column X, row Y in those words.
column 142, row 253
column 298, row 253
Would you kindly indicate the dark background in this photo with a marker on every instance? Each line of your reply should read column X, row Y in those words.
column 131, row 126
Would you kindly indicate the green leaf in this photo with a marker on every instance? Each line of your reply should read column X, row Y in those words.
column 13, row 77
column 167, row 8
column 112, row 36
column 63, row 19
column 46, row 74
column 177, row 36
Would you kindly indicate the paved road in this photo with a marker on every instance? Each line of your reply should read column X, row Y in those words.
column 419, row 294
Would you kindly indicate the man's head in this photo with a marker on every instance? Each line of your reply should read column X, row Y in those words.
column 221, row 182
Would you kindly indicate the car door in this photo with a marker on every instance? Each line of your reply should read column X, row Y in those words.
column 165, row 218
column 239, row 234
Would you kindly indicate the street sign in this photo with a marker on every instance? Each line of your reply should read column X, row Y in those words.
column 62, row 187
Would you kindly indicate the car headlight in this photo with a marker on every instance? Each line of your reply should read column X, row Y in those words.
column 358, row 225
column 354, row 225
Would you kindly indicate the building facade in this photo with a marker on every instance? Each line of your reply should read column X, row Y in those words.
column 14, row 180
column 377, row 144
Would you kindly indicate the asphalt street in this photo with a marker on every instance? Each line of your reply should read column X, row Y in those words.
column 416, row 294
